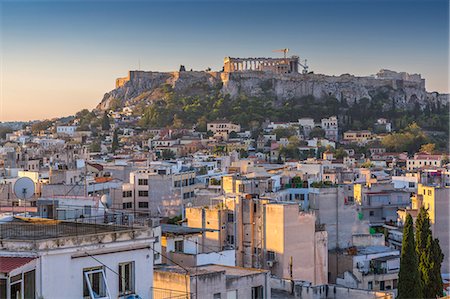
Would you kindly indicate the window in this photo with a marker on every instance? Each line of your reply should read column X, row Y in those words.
column 429, row 192
column 230, row 217
column 411, row 185
column 95, row 283
column 394, row 283
column 371, row 213
column 126, row 279
column 16, row 287
column 270, row 255
column 217, row 296
column 87, row 210
column 143, row 193
column 179, row 246
column 156, row 256
column 143, row 204
column 230, row 239
column 232, row 294
column 2, row 288
column 382, row 285
column 370, row 285
column 29, row 284
column 127, row 193
column 127, row 205
column 257, row 292
column 142, row 182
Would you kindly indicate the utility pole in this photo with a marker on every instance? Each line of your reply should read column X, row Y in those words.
column 291, row 275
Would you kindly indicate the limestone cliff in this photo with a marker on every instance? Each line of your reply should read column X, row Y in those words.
column 139, row 86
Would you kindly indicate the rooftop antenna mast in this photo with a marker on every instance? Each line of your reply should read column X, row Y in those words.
column 304, row 66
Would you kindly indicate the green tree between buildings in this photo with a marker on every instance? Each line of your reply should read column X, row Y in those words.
column 430, row 257
column 167, row 154
column 105, row 122
column 408, row 277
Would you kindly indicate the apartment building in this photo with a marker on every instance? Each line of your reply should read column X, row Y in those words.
column 423, row 160
column 158, row 191
column 44, row 258
column 212, row 281
column 276, row 236
column 371, row 268
column 378, row 203
column 330, row 126
column 359, row 137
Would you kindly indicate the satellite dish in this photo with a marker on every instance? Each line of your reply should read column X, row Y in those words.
column 106, row 200
column 24, row 188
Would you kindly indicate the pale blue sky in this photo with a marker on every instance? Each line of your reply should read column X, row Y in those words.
column 61, row 56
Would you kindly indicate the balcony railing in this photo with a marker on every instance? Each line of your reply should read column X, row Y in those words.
column 40, row 229
column 158, row 293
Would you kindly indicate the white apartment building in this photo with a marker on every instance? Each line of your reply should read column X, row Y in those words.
column 330, row 126
column 44, row 258
column 158, row 191
column 66, row 130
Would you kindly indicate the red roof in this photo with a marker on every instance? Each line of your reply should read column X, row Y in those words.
column 9, row 263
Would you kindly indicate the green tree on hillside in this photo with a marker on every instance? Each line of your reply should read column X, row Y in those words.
column 408, row 277
column 408, row 140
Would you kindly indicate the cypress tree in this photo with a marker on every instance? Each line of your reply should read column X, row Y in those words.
column 408, row 277
column 430, row 257
column 105, row 122
column 438, row 258
column 115, row 141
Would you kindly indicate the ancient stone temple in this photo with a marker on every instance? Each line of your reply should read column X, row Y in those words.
column 274, row 65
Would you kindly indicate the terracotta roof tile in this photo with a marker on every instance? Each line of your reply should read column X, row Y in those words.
column 9, row 263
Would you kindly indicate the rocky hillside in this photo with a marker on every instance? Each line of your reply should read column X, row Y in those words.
column 147, row 87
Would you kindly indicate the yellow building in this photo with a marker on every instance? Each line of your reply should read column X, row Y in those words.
column 437, row 201
column 360, row 137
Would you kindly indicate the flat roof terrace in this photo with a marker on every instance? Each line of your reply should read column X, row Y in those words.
column 42, row 229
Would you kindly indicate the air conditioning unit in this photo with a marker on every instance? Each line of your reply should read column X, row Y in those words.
column 270, row 264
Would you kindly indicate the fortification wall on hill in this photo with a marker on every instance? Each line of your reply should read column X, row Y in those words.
column 279, row 87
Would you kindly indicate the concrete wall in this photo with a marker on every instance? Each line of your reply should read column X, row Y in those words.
column 291, row 235
column 340, row 219
column 225, row 257
column 58, row 275
column 282, row 289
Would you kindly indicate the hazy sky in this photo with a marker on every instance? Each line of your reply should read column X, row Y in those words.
column 61, row 56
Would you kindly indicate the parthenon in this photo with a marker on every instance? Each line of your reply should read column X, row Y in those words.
column 275, row 65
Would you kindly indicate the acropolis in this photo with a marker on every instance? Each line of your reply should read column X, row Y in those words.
column 275, row 65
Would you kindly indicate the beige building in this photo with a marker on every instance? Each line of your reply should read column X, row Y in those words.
column 211, row 281
column 422, row 160
column 360, row 137
column 223, row 128
column 275, row 236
